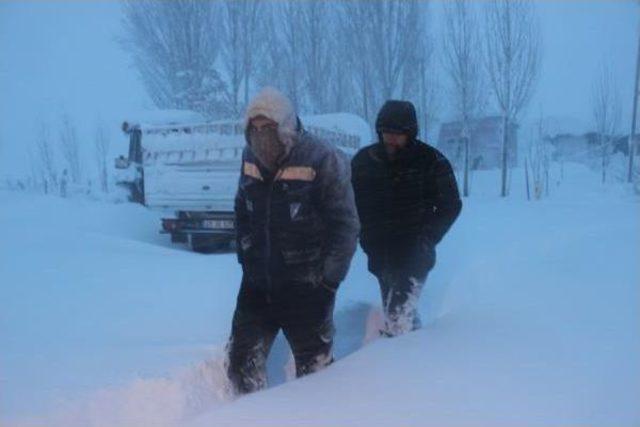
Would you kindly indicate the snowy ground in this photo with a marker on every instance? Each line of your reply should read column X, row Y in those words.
column 532, row 318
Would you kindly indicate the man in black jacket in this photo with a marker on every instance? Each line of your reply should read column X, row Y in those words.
column 407, row 199
column 297, row 229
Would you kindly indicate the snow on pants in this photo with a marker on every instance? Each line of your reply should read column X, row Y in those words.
column 400, row 295
column 304, row 312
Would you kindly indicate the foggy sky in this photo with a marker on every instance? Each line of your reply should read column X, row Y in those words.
column 58, row 57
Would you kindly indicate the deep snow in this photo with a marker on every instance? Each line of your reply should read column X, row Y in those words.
column 532, row 318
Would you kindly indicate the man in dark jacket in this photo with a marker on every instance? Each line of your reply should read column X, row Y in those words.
column 297, row 228
column 407, row 199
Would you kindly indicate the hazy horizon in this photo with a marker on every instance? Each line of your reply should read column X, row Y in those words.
column 64, row 58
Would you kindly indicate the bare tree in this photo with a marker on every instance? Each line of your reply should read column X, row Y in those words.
column 174, row 45
column 383, row 37
column 419, row 83
column 512, row 57
column 342, row 90
column 101, row 145
column 425, row 92
column 340, row 93
column 540, row 160
column 303, row 54
column 43, row 160
column 70, row 148
column 240, row 47
column 356, row 31
column 283, row 36
column 606, row 113
column 462, row 63
column 398, row 28
column 317, row 44
column 36, row 175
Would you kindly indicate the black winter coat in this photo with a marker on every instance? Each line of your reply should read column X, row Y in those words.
column 300, row 224
column 405, row 206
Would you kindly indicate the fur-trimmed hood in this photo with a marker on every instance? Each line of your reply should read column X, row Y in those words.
column 274, row 105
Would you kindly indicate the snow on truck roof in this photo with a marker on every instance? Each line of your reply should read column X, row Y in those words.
column 180, row 158
column 157, row 118
column 346, row 130
column 342, row 122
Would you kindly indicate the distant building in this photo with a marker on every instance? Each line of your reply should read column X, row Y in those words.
column 575, row 148
column 621, row 145
column 586, row 147
column 485, row 143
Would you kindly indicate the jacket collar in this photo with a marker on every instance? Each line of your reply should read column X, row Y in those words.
column 405, row 154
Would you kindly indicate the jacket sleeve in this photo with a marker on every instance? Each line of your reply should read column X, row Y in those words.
column 339, row 211
column 357, row 185
column 243, row 238
column 447, row 204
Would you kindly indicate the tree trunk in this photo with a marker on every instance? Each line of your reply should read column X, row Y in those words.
column 526, row 178
column 465, row 190
column 604, row 164
column 505, row 140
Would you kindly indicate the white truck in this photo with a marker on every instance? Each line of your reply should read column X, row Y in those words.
column 183, row 165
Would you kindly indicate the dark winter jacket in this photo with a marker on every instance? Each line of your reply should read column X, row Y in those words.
column 405, row 206
column 299, row 224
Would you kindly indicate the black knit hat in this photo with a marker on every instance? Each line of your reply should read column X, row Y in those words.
column 398, row 117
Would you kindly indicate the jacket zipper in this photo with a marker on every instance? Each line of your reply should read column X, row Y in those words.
column 268, row 235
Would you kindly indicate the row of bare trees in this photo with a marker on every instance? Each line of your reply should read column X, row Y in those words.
column 494, row 64
column 462, row 59
column 606, row 114
column 327, row 56
column 55, row 159
column 331, row 56
column 336, row 56
column 348, row 56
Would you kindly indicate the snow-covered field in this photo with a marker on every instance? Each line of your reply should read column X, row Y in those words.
column 532, row 318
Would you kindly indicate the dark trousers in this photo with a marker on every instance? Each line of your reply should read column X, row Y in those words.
column 303, row 311
column 400, row 294
column 401, row 267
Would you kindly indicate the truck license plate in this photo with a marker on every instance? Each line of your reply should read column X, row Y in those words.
column 217, row 223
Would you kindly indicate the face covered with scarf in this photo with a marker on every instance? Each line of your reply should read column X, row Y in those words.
column 265, row 142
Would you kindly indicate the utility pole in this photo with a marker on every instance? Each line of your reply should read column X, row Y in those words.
column 632, row 143
column 465, row 137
